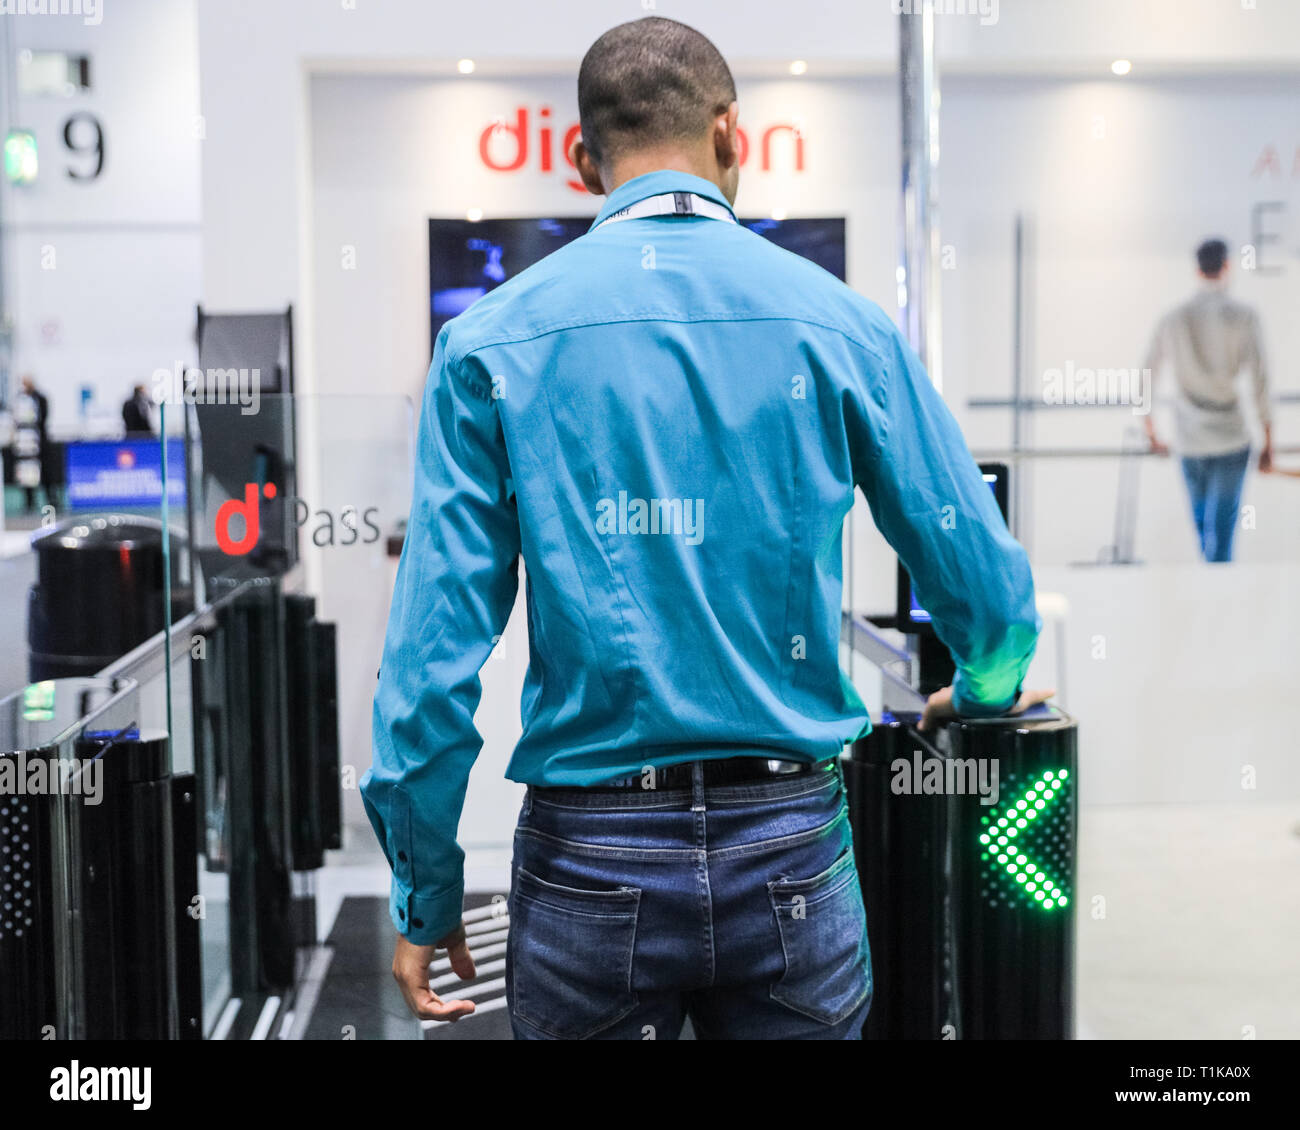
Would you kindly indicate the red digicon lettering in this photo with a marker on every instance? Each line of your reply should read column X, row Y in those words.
column 570, row 136
column 547, row 134
column 519, row 129
column 798, row 146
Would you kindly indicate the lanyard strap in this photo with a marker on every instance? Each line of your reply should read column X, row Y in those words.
column 672, row 204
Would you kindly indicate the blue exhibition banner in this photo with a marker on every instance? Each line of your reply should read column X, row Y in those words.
column 124, row 474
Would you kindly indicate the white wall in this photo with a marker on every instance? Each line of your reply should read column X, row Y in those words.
column 103, row 277
column 1179, row 677
column 253, row 56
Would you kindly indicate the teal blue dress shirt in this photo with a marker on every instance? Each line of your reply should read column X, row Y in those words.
column 666, row 419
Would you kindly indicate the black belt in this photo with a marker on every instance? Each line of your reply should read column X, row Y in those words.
column 721, row 771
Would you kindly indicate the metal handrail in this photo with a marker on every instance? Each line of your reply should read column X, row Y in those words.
column 1038, row 404
column 1007, row 454
column 864, row 639
column 147, row 660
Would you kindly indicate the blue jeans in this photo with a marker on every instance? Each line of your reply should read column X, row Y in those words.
column 1214, row 485
column 736, row 905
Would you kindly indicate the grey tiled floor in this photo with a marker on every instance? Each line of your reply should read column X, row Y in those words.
column 1201, row 915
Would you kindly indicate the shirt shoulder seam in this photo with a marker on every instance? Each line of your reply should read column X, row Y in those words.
column 457, row 358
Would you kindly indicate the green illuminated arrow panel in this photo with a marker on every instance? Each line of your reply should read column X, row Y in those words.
column 1026, row 845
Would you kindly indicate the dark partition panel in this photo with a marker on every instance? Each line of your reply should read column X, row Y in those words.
column 901, row 844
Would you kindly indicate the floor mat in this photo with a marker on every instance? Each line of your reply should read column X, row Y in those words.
column 359, row 999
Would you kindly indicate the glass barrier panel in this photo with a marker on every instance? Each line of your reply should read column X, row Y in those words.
column 295, row 509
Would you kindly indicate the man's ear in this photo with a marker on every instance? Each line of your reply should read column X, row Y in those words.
column 726, row 141
column 588, row 170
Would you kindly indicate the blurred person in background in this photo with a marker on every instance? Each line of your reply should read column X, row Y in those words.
column 31, row 418
column 135, row 413
column 1207, row 342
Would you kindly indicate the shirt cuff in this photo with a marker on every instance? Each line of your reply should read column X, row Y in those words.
column 970, row 708
column 424, row 920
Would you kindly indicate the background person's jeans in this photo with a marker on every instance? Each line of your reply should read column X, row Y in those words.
column 737, row 905
column 1214, row 485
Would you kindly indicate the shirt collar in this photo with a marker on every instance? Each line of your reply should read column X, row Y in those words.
column 655, row 184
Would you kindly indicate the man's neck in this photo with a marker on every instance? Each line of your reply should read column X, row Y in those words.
column 638, row 164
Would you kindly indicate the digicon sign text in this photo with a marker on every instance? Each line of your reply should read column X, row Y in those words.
column 509, row 144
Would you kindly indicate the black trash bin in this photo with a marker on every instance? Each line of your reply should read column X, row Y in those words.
column 99, row 593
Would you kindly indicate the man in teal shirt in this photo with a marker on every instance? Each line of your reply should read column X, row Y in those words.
column 667, row 420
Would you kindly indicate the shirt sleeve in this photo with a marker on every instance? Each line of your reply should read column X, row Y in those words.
column 1257, row 363
column 456, row 585
column 1155, row 351
column 933, row 506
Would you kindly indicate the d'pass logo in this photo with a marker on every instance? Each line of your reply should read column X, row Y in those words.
column 345, row 526
column 505, row 146
column 248, row 510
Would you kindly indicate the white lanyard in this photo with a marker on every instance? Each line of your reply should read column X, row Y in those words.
column 672, row 204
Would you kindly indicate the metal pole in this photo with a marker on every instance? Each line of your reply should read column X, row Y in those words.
column 1017, row 366
column 918, row 271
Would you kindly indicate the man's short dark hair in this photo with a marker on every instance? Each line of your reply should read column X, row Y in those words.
column 1211, row 257
column 648, row 82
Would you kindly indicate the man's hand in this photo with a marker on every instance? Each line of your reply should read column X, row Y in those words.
column 1266, row 460
column 939, row 708
column 1156, row 446
column 411, row 972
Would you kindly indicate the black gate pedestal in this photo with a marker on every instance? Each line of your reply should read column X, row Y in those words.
column 966, row 849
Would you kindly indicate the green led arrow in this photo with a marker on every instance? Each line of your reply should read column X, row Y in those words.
column 1004, row 833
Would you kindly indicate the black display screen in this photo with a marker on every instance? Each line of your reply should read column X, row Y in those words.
column 910, row 616
column 468, row 258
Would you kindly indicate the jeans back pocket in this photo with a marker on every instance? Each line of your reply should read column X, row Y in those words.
column 823, row 926
column 570, row 956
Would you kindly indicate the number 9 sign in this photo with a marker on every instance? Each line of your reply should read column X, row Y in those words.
column 78, row 142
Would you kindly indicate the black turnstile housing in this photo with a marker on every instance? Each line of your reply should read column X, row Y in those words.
column 91, row 874
column 27, row 961
column 1015, row 952
column 901, row 853
column 100, row 915
column 122, row 884
column 265, row 703
column 963, row 944
column 313, row 733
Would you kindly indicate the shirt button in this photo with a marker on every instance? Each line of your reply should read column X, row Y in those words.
column 417, row 923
